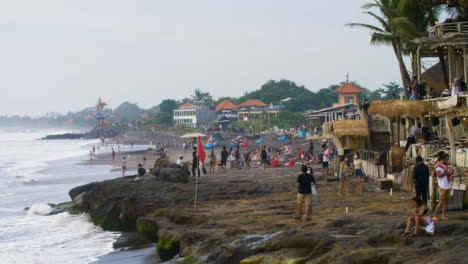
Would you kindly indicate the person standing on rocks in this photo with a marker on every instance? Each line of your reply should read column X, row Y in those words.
column 247, row 159
column 224, row 157
column 442, row 172
column 195, row 165
column 325, row 159
column 358, row 172
column 141, row 171
column 304, row 192
column 264, row 158
column 212, row 161
column 343, row 175
column 421, row 179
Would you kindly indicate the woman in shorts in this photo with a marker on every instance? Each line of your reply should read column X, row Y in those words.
column 358, row 172
column 343, row 177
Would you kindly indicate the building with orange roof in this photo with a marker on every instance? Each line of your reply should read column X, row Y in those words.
column 252, row 103
column 347, row 94
column 193, row 114
column 254, row 109
column 227, row 109
column 226, row 105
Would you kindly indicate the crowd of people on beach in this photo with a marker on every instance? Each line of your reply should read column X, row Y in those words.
column 351, row 168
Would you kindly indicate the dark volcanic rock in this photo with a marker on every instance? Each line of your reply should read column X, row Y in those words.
column 64, row 136
column 116, row 204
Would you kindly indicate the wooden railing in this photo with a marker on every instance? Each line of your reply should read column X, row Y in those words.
column 462, row 101
column 448, row 28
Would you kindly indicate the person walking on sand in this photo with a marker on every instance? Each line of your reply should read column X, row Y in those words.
column 304, row 184
column 212, row 158
column 358, row 172
column 421, row 179
column 124, row 166
column 325, row 159
column 442, row 172
column 224, row 158
column 342, row 177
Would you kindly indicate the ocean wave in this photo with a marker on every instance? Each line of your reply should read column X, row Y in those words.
column 39, row 209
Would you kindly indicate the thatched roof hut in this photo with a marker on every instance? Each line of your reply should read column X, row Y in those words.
column 350, row 128
column 399, row 108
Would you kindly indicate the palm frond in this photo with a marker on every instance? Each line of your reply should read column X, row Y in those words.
column 366, row 26
column 382, row 39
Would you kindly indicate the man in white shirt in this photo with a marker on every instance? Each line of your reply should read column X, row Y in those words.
column 415, row 132
column 325, row 160
column 443, row 174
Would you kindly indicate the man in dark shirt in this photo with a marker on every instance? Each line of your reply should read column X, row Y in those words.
column 264, row 158
column 224, row 157
column 195, row 165
column 304, row 189
column 141, row 170
column 421, row 179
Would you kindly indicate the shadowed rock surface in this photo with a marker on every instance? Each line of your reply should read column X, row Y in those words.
column 245, row 217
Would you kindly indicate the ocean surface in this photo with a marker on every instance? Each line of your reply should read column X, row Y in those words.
column 34, row 173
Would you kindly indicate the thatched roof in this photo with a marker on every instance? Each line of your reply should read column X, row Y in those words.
column 350, row 128
column 434, row 78
column 399, row 108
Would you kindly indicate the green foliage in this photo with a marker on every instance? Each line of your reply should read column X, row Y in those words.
column 127, row 112
column 275, row 91
column 165, row 114
column 203, row 97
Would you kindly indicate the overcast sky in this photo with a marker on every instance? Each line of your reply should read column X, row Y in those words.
column 58, row 55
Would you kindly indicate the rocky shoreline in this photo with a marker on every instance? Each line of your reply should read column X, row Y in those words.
column 245, row 217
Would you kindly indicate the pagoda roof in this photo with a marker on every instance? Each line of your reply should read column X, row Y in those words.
column 226, row 105
column 347, row 88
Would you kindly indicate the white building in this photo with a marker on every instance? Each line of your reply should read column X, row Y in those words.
column 193, row 115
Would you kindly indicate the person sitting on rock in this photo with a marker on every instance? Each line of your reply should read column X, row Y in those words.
column 418, row 218
column 141, row 171
column 304, row 192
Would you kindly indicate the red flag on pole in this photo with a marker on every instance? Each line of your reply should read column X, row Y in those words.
column 200, row 152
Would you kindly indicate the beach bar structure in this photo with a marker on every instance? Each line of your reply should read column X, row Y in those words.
column 254, row 109
column 448, row 41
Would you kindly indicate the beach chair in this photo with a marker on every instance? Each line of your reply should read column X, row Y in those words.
column 289, row 164
column 282, row 138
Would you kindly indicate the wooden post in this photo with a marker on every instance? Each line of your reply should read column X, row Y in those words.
column 398, row 131
column 451, row 137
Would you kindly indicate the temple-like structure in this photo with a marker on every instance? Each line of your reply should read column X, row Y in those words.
column 99, row 114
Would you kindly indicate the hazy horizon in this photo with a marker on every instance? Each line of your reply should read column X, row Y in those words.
column 60, row 56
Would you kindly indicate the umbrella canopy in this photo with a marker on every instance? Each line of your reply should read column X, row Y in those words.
column 193, row 135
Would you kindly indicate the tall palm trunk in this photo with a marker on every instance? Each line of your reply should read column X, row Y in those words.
column 405, row 78
column 440, row 51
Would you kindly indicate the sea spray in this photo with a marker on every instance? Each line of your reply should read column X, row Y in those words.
column 40, row 209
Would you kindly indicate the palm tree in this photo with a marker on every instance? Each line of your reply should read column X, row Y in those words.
column 387, row 33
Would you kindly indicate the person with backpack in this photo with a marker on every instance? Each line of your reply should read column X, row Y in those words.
column 443, row 173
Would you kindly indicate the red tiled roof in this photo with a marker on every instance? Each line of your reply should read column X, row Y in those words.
column 185, row 106
column 226, row 105
column 348, row 88
column 253, row 103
